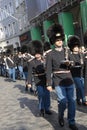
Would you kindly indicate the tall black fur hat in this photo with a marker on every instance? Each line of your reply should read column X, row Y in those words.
column 47, row 46
column 73, row 41
column 35, row 47
column 85, row 38
column 55, row 32
column 18, row 49
column 8, row 52
column 24, row 49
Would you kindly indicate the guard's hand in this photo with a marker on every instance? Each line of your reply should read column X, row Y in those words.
column 67, row 62
column 29, row 85
column 49, row 88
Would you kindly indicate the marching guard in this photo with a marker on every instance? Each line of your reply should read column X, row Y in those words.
column 57, row 66
column 76, row 56
column 36, row 67
column 85, row 63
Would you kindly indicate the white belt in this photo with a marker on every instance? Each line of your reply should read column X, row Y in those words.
column 39, row 74
column 61, row 71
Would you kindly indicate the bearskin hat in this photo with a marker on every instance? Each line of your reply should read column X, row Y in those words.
column 55, row 32
column 35, row 47
column 18, row 49
column 73, row 41
column 8, row 52
column 85, row 38
column 24, row 49
column 47, row 46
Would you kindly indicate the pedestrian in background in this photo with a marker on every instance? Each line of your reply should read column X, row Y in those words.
column 11, row 65
column 26, row 57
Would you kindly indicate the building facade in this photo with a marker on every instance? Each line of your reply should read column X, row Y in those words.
column 24, row 20
column 13, row 23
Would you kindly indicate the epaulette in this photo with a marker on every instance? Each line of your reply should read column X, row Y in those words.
column 47, row 51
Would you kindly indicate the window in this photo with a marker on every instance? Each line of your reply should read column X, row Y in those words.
column 16, row 3
column 9, row 29
column 13, row 27
column 6, row 31
column 0, row 16
column 1, row 33
column 20, row 24
column 11, row 11
column 6, row 11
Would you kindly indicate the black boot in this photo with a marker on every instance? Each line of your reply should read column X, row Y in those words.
column 26, row 88
column 31, row 90
column 42, row 112
column 60, row 116
column 61, row 121
column 73, row 127
column 79, row 102
column 84, row 103
column 48, row 112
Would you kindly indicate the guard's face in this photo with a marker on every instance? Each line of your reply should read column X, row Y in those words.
column 59, row 42
column 38, row 56
column 76, row 49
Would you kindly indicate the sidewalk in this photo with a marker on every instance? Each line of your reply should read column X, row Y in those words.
column 19, row 110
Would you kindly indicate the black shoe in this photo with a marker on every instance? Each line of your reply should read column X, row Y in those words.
column 42, row 112
column 26, row 88
column 73, row 127
column 84, row 103
column 61, row 122
column 31, row 90
column 14, row 80
column 48, row 112
column 79, row 102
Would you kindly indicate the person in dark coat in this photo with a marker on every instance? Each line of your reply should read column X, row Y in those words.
column 85, row 62
column 2, row 64
column 26, row 57
column 19, row 63
column 11, row 65
column 57, row 66
column 37, row 69
column 76, row 56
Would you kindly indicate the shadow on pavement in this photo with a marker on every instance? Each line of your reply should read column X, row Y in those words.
column 20, row 87
column 14, row 128
column 29, row 103
column 81, row 108
column 52, row 119
column 32, row 105
column 7, row 80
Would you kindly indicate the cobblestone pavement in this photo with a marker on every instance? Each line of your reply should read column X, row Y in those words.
column 19, row 110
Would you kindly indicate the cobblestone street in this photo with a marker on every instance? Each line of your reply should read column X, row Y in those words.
column 19, row 110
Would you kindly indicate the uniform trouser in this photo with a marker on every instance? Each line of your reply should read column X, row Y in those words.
column 12, row 73
column 21, row 71
column 25, row 76
column 44, row 98
column 66, row 98
column 79, row 83
column 2, row 70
